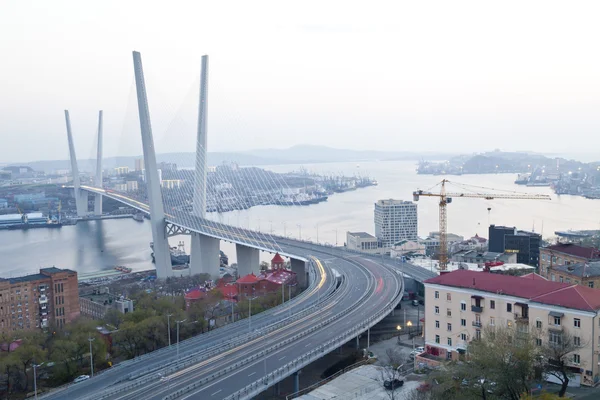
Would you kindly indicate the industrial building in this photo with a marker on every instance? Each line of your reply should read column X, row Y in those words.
column 395, row 220
column 362, row 241
column 96, row 304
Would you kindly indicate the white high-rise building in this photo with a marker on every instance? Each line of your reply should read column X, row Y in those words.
column 395, row 220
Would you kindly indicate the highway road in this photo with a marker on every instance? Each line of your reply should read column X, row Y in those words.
column 367, row 289
column 232, row 357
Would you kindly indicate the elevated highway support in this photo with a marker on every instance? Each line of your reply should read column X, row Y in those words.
column 248, row 260
column 204, row 257
column 81, row 197
column 98, row 180
column 299, row 268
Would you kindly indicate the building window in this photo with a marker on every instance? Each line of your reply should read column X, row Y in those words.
column 492, row 321
column 509, row 323
column 493, row 304
column 576, row 358
column 437, row 294
column 463, row 322
column 477, row 334
column 448, row 312
column 437, row 324
column 560, row 279
column 577, row 341
column 448, row 297
column 557, row 321
column 437, row 339
column 463, row 337
column 463, row 306
column 449, row 327
column 449, row 341
column 552, row 278
column 437, row 310
column 577, row 323
column 538, row 342
column 591, row 284
column 508, row 307
column 538, row 324
column 555, row 338
column 568, row 280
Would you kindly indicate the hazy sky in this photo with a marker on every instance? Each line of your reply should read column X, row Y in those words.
column 449, row 75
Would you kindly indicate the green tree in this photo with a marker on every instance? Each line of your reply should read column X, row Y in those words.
column 557, row 354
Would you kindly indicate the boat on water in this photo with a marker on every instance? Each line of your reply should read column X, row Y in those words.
column 302, row 199
column 522, row 179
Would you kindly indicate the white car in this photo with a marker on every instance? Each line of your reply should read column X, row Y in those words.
column 81, row 378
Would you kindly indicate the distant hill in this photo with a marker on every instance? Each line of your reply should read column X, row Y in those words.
column 294, row 155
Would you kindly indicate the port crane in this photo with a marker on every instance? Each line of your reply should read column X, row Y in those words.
column 446, row 197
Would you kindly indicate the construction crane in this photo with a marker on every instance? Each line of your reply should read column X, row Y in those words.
column 446, row 197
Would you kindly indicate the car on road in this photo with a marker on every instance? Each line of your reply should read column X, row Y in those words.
column 415, row 303
column 393, row 384
column 81, row 378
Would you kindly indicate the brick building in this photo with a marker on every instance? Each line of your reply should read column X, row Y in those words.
column 50, row 298
column 461, row 303
column 564, row 254
column 586, row 274
column 268, row 281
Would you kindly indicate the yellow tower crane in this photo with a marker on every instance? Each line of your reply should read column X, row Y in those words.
column 446, row 197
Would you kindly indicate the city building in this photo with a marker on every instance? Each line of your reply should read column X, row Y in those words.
column 432, row 242
column 362, row 241
column 586, row 274
column 139, row 164
column 481, row 258
column 96, row 304
column 525, row 244
column 3, row 203
column 395, row 220
column 120, row 187
column 132, row 186
column 565, row 254
column 460, row 304
column 121, row 170
column 474, row 243
column 171, row 183
column 407, row 248
column 165, row 166
column 50, row 298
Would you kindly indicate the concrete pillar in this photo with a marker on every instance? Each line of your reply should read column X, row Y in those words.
column 81, row 202
column 205, row 255
column 277, row 389
column 248, row 259
column 358, row 342
column 199, row 201
column 299, row 267
column 296, row 376
column 162, row 255
column 98, row 180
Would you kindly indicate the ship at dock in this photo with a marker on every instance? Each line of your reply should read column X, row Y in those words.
column 29, row 221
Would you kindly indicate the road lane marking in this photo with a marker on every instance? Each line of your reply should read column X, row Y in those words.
column 252, row 374
column 308, row 345
column 281, row 358
column 218, row 391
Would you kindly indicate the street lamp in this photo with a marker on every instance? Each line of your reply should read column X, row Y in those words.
column 317, row 226
column 299, row 231
column 91, row 339
column 250, row 312
column 284, row 229
column 179, row 322
column 169, row 327
column 35, row 378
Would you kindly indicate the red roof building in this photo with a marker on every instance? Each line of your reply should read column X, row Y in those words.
column 265, row 283
column 194, row 296
column 460, row 305
column 277, row 262
column 564, row 254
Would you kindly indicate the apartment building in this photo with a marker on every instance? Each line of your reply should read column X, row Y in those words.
column 50, row 298
column 460, row 304
column 565, row 254
column 586, row 274
column 395, row 220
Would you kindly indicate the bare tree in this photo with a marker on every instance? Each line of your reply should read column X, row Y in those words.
column 558, row 354
column 393, row 364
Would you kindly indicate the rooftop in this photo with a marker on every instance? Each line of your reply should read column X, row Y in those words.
column 584, row 270
column 277, row 259
column 574, row 250
column 363, row 235
column 536, row 290
column 393, row 202
column 250, row 278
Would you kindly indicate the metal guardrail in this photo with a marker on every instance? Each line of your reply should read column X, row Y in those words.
column 240, row 339
column 282, row 372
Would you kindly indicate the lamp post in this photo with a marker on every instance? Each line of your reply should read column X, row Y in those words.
column 317, row 226
column 35, row 378
column 91, row 339
column 284, row 229
column 299, row 231
column 250, row 313
column 169, row 327
column 179, row 322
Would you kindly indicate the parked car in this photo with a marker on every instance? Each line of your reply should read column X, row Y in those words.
column 81, row 378
column 415, row 303
column 422, row 302
column 393, row 384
